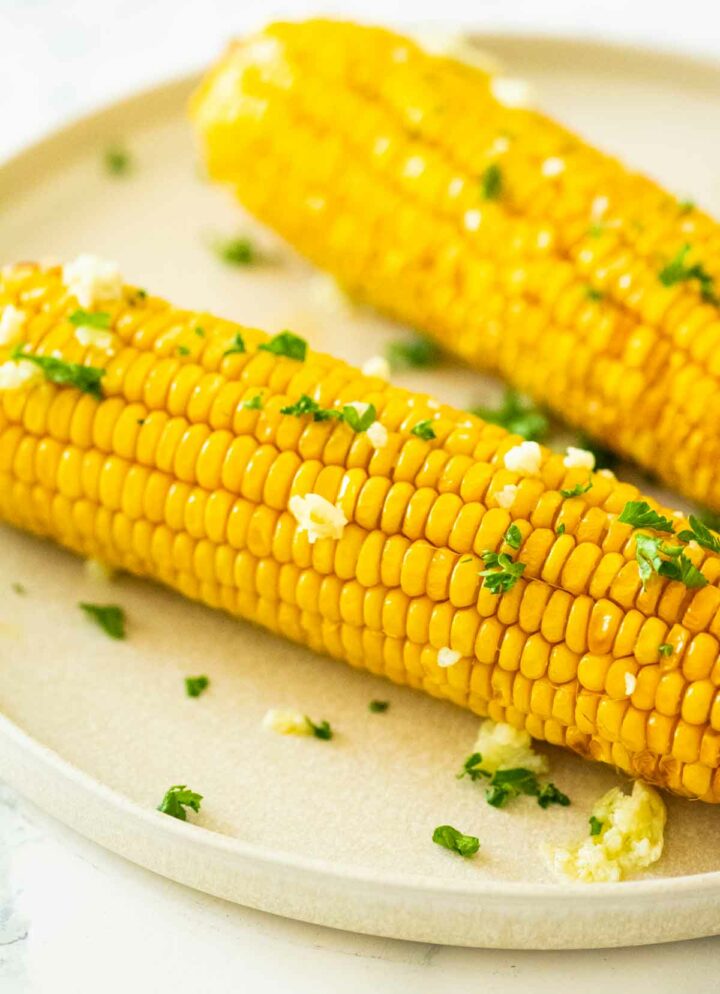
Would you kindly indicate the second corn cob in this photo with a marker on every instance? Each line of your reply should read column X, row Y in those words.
column 440, row 551
column 518, row 246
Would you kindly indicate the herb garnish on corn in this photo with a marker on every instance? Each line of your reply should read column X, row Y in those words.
column 390, row 558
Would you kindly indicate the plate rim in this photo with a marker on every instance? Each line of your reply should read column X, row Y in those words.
column 79, row 129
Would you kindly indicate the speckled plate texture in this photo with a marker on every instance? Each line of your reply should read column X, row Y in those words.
column 331, row 832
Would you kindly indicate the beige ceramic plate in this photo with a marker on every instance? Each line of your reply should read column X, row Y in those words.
column 339, row 832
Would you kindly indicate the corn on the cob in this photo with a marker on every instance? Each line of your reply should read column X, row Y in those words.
column 502, row 234
column 175, row 470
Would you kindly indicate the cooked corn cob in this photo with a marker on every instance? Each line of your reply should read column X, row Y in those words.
column 169, row 466
column 519, row 247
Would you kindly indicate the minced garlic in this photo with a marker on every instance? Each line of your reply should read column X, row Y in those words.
column 14, row 375
column 524, row 458
column 377, row 365
column 630, row 838
column 448, row 657
column 578, row 458
column 503, row 747
column 95, row 338
column 12, row 322
column 92, row 280
column 317, row 516
column 506, row 496
column 377, row 435
column 287, row 722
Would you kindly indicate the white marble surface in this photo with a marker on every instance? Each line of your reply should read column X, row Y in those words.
column 76, row 919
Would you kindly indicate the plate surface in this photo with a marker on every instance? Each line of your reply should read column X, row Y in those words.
column 336, row 833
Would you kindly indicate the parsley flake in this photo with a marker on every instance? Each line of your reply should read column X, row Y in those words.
column 412, row 353
column 424, row 430
column 502, row 573
column 321, row 730
column 194, row 685
column 472, row 768
column 200, row 332
column 89, row 319
column 595, row 825
column 518, row 415
column 238, row 345
column 592, row 293
column 178, row 798
column 117, row 161
column 491, row 182
column 359, row 422
column 450, row 838
column 378, row 707
column 578, row 490
column 686, row 206
column 504, row 785
column 560, row 530
column 286, row 344
column 254, row 404
column 66, row 374
column 655, row 556
column 665, row 649
column 183, row 350
column 109, row 617
column 700, row 533
column 513, row 537
column 236, row 251
column 18, row 588
column 307, row 407
column 639, row 514
column 678, row 271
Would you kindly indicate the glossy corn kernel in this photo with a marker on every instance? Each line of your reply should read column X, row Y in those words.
column 179, row 473
column 371, row 157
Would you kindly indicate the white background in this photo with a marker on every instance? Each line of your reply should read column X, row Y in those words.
column 76, row 919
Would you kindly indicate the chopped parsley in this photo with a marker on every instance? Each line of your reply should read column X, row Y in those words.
column 66, row 374
column 686, row 206
column 183, row 350
column 592, row 293
column 656, row 557
column 639, row 514
column 504, row 785
column 238, row 345
column 177, row 799
column 665, row 649
column 200, row 332
column 194, row 685
column 513, row 537
column 109, row 617
column 595, row 231
column 18, row 588
column 678, row 271
column 378, row 707
column 700, row 533
column 254, row 404
column 560, row 530
column 89, row 319
column 577, row 491
column 286, row 344
column 491, row 182
column 320, row 731
column 424, row 430
column 236, row 251
column 595, row 825
column 518, row 415
column 450, row 838
column 307, row 407
column 359, row 422
column 502, row 573
column 412, row 353
column 137, row 297
column 140, row 421
column 117, row 161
